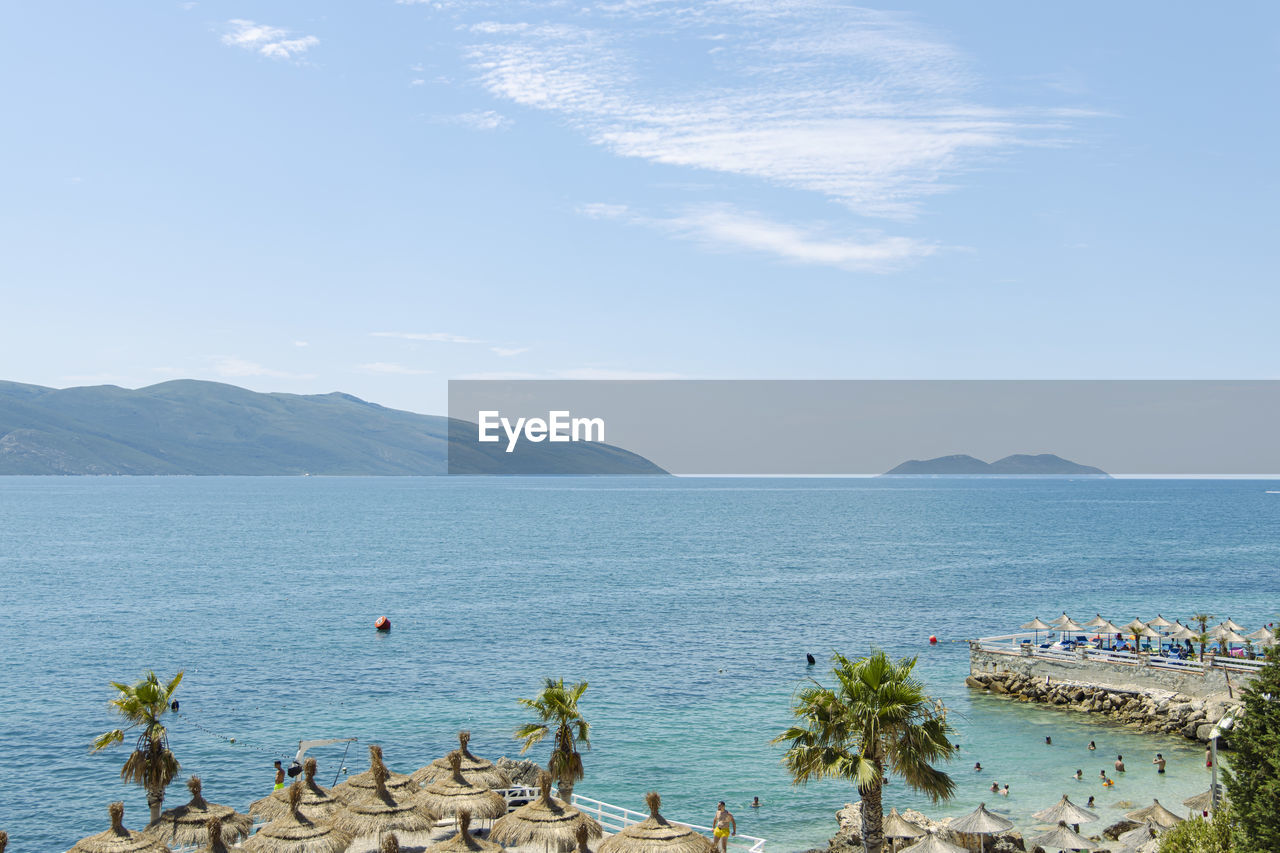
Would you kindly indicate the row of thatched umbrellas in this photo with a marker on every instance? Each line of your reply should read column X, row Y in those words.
column 1065, row 835
column 307, row 818
column 1158, row 628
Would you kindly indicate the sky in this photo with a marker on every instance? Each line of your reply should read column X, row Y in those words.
column 377, row 197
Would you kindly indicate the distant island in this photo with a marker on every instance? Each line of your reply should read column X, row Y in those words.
column 1017, row 465
column 192, row 427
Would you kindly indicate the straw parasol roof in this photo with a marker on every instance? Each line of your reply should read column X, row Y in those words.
column 582, row 841
column 1202, row 802
column 1070, row 626
column 4, row 840
column 1037, row 624
column 547, row 821
column 390, row 844
column 1135, row 838
column 117, row 839
column 384, row 811
column 980, row 822
column 1109, row 628
column 1230, row 637
column 1182, row 632
column 453, row 795
column 1261, row 634
column 933, row 844
column 655, row 834
column 214, row 833
column 1157, row 814
column 1152, row 633
column 478, row 771
column 1095, row 621
column 1063, row 619
column 464, row 841
column 296, row 833
column 1231, row 623
column 1137, row 626
column 1062, row 838
column 362, row 783
column 1159, row 622
column 186, row 825
column 1065, row 812
column 317, row 802
column 896, row 826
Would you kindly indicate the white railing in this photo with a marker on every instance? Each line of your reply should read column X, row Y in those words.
column 1110, row 656
column 616, row 818
column 1240, row 664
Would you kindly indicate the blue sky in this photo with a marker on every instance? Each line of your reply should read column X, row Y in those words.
column 377, row 197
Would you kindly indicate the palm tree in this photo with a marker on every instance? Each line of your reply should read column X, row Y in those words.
column 151, row 764
column 877, row 718
column 557, row 706
column 1203, row 620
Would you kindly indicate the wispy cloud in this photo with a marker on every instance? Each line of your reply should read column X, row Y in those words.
column 238, row 367
column 863, row 107
column 436, row 337
column 507, row 352
column 271, row 42
column 721, row 226
column 392, row 368
column 478, row 120
column 301, row 344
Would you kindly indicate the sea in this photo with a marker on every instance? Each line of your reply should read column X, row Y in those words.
column 688, row 605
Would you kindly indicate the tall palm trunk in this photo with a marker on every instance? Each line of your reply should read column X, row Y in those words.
column 155, row 800
column 565, row 786
column 873, row 813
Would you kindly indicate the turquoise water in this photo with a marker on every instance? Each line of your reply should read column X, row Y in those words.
column 688, row 604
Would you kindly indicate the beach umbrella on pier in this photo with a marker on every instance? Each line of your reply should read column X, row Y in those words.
column 117, row 839
column 1095, row 621
column 1060, row 620
column 1066, row 812
column 1061, row 838
column 933, row 844
column 478, row 771
column 453, row 795
column 294, row 832
column 464, row 841
column 1159, row 622
column 655, row 834
column 1037, row 625
column 1231, row 624
column 1262, row 634
column 547, row 821
column 383, row 811
column 980, row 822
column 1108, row 628
column 1201, row 803
column 1157, row 814
column 895, row 826
column 187, row 825
column 317, row 802
column 1182, row 632
column 362, row 784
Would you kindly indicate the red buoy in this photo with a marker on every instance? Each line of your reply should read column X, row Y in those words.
column 933, row 641
column 383, row 624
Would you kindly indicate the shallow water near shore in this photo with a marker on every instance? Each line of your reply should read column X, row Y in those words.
column 688, row 604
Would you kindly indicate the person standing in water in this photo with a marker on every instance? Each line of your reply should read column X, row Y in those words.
column 723, row 826
column 1119, row 763
column 279, row 776
column 1158, row 761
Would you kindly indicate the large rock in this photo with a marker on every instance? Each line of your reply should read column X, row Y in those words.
column 521, row 771
column 1119, row 828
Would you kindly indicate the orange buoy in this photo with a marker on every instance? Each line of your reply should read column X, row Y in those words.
column 383, row 624
column 933, row 640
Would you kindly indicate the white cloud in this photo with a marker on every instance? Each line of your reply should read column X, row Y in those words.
column 393, row 368
column 721, row 226
column 478, row 120
column 436, row 337
column 301, row 344
column 862, row 107
column 507, row 352
column 271, row 42
column 239, row 367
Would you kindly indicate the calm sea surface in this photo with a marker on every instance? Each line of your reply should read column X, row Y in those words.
column 688, row 605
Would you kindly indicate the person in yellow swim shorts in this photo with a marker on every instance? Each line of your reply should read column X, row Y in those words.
column 722, row 827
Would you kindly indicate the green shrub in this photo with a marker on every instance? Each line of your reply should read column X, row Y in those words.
column 1201, row 836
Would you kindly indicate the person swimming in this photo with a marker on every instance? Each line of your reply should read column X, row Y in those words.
column 1089, row 804
column 1079, row 775
column 1048, row 741
column 1004, row 792
column 1092, row 745
column 755, row 803
column 995, row 787
column 977, row 766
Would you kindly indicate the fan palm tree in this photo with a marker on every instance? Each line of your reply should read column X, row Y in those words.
column 1202, row 621
column 151, row 765
column 556, row 708
column 877, row 719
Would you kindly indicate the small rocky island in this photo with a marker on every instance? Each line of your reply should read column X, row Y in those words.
column 1017, row 465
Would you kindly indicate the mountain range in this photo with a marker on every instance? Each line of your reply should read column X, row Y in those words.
column 193, row 427
column 1017, row 465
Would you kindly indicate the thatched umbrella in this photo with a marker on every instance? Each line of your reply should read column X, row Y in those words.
column 1232, row 625
column 980, row 822
column 464, row 841
column 1262, row 634
column 1201, row 803
column 390, row 844
column 480, row 772
column 895, row 826
column 214, row 834
column 317, row 802
column 1061, row 838
column 550, row 822
column 186, row 825
column 1066, row 812
column 117, row 839
column 655, row 834
column 1037, row 624
column 1135, row 838
column 4, row 840
column 933, row 844
column 297, row 833
column 1061, row 620
column 1182, row 632
column 1095, row 621
column 1159, row 622
column 361, row 784
column 453, row 795
column 384, row 811
column 1157, row 814
column 582, row 840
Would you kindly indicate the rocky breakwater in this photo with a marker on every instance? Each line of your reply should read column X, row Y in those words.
column 1153, row 711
